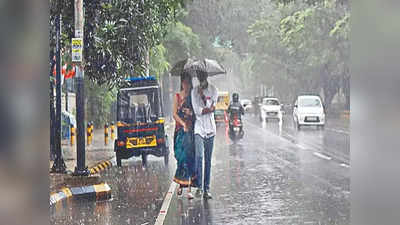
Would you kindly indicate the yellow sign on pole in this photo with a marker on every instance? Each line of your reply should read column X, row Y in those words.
column 77, row 46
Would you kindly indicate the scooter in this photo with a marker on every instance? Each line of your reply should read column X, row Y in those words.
column 235, row 131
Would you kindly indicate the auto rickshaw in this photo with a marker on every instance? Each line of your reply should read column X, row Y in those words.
column 140, row 126
column 221, row 107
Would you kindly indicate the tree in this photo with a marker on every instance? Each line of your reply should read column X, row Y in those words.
column 181, row 42
column 225, row 21
column 305, row 43
column 117, row 34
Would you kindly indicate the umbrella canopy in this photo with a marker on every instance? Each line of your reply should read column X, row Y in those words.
column 193, row 67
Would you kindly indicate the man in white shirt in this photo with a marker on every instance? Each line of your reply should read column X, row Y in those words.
column 204, row 97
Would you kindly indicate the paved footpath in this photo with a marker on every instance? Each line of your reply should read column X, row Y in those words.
column 97, row 156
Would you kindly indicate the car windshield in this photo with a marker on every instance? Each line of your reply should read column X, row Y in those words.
column 309, row 102
column 270, row 102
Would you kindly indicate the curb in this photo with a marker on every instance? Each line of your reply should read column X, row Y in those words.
column 92, row 192
column 345, row 114
column 101, row 166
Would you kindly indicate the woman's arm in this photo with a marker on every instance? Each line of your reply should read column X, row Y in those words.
column 175, row 114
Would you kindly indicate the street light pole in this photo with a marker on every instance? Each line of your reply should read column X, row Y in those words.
column 80, row 169
column 58, row 165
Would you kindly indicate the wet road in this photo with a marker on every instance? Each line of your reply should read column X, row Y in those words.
column 275, row 175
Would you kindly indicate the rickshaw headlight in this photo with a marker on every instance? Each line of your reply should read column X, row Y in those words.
column 120, row 143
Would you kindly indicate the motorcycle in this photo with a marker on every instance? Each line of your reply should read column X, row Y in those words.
column 235, row 131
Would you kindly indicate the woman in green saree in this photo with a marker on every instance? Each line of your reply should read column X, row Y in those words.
column 183, row 137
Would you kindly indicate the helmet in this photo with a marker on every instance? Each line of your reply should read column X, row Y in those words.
column 235, row 97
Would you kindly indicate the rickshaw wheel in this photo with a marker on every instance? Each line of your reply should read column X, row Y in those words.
column 144, row 160
column 119, row 162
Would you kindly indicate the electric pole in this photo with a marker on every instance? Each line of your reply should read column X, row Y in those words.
column 77, row 57
column 58, row 165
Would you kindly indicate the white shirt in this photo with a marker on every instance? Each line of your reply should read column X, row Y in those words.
column 205, row 124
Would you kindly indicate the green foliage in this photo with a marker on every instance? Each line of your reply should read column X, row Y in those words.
column 117, row 34
column 181, row 43
column 99, row 100
column 158, row 61
column 305, row 45
column 223, row 20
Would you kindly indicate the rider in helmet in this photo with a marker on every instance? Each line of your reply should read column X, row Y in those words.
column 235, row 108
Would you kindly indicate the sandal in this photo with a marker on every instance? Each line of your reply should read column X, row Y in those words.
column 180, row 191
column 190, row 196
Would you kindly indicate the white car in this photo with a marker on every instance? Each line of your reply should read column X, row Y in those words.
column 309, row 110
column 270, row 108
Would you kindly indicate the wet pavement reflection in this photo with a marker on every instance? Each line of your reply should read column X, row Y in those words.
column 272, row 176
column 137, row 195
column 266, row 179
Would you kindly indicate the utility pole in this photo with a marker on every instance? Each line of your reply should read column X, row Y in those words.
column 58, row 165
column 52, row 110
column 77, row 46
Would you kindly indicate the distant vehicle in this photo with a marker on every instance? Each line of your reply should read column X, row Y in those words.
column 141, row 130
column 309, row 110
column 247, row 105
column 256, row 105
column 235, row 131
column 221, row 107
column 270, row 109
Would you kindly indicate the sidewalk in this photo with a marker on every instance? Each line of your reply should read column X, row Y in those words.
column 338, row 122
column 95, row 154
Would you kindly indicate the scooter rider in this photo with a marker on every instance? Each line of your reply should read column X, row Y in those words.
column 235, row 111
column 235, row 108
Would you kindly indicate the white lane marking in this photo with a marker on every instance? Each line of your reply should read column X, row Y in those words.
column 344, row 165
column 322, row 156
column 165, row 206
column 338, row 131
column 301, row 146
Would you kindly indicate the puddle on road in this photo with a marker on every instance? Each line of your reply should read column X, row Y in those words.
column 137, row 195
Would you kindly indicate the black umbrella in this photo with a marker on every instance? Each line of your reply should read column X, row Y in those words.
column 193, row 67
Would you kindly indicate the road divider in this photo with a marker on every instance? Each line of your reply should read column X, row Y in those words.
column 101, row 166
column 101, row 191
column 106, row 134
column 344, row 165
column 320, row 155
column 345, row 114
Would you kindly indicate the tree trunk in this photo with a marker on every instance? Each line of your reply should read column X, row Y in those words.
column 330, row 87
column 346, row 90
